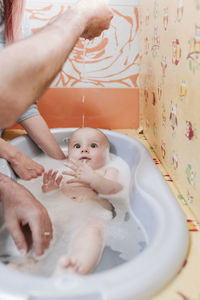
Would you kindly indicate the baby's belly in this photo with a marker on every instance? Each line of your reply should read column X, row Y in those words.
column 82, row 194
column 78, row 193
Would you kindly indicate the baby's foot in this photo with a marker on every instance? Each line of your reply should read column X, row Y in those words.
column 67, row 264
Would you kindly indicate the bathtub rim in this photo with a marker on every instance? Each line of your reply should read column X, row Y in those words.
column 128, row 284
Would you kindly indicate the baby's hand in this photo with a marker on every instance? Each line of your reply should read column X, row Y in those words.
column 82, row 173
column 50, row 182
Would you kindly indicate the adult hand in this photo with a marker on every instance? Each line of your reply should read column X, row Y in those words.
column 98, row 17
column 25, row 167
column 21, row 209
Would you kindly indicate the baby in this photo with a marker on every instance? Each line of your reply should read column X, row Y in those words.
column 87, row 178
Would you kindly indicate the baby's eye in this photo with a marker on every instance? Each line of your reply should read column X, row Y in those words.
column 93, row 145
column 77, row 146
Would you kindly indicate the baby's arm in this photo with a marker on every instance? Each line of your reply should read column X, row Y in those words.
column 50, row 182
column 103, row 183
column 106, row 183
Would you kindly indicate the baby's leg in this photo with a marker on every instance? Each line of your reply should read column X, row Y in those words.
column 85, row 252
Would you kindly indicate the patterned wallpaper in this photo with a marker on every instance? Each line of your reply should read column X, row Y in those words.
column 170, row 89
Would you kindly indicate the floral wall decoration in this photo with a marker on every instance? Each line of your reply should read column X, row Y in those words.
column 110, row 60
column 98, row 84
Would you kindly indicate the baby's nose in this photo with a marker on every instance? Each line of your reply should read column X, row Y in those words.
column 84, row 149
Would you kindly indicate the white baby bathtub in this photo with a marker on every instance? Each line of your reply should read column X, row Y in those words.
column 140, row 278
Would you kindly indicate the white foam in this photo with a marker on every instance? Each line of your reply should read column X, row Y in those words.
column 122, row 233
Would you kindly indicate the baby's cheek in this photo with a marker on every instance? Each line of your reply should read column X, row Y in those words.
column 100, row 161
column 73, row 157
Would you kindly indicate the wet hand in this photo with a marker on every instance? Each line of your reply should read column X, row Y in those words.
column 98, row 16
column 25, row 167
column 21, row 209
column 81, row 172
column 51, row 181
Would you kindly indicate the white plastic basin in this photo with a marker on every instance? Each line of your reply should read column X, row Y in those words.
column 140, row 278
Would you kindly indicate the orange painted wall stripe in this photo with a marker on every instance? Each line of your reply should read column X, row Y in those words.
column 101, row 107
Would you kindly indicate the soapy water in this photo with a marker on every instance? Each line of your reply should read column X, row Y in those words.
column 124, row 236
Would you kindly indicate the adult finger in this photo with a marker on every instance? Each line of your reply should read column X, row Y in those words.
column 40, row 170
column 42, row 232
column 16, row 232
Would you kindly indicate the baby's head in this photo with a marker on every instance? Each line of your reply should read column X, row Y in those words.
column 88, row 145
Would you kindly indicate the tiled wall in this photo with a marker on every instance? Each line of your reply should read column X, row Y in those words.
column 170, row 89
column 98, row 85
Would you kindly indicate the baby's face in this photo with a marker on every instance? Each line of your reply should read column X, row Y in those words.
column 89, row 146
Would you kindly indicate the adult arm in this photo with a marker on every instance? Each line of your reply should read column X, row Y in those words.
column 37, row 129
column 21, row 209
column 29, row 66
column 23, row 166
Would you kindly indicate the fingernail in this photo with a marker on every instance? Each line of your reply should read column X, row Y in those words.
column 39, row 253
column 22, row 252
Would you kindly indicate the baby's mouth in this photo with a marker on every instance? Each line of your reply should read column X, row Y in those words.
column 84, row 158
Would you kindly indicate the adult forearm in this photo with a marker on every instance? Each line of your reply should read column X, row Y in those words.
column 4, row 184
column 39, row 132
column 7, row 151
column 28, row 67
